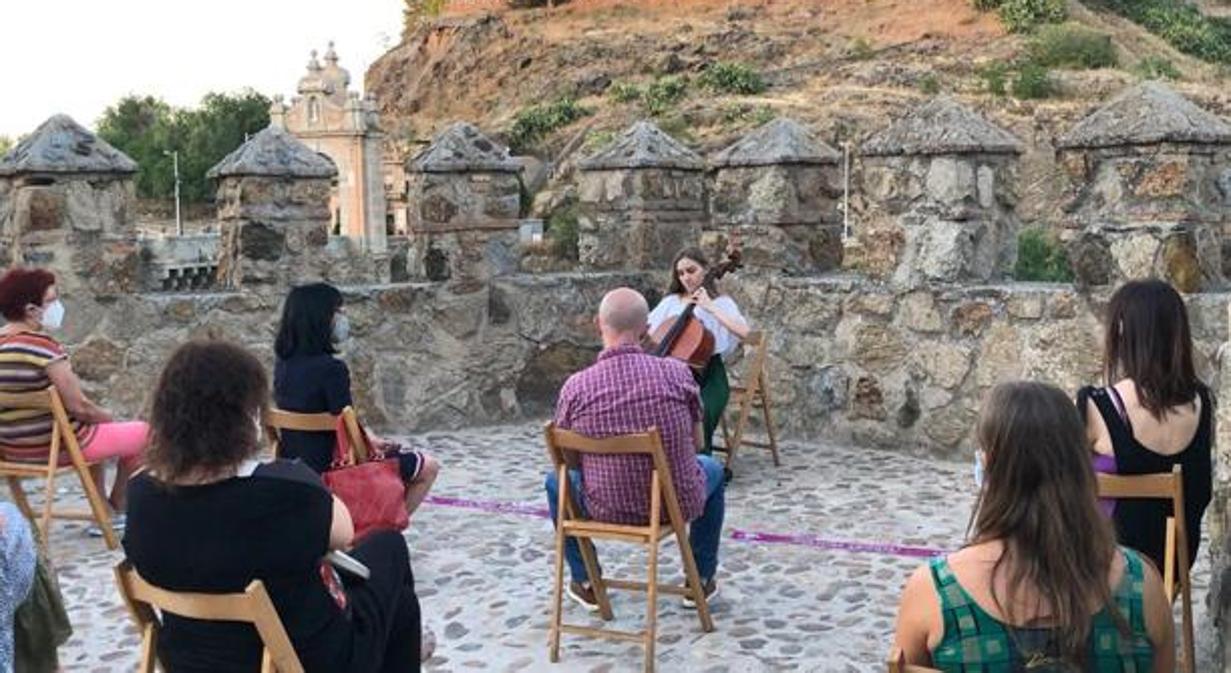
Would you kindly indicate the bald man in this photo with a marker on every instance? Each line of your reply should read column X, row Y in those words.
column 627, row 391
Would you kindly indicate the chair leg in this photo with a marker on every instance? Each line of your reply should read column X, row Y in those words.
column 147, row 649
column 49, row 501
column 651, row 597
column 1190, row 648
column 726, row 440
column 102, row 516
column 267, row 662
column 692, row 577
column 770, row 430
column 19, row 497
column 557, row 598
column 589, row 556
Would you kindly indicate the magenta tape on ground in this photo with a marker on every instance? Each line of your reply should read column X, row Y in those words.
column 805, row 540
column 795, row 539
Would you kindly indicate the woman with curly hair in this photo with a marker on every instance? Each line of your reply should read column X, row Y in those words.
column 207, row 517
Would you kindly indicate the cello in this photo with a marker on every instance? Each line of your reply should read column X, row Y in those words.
column 685, row 337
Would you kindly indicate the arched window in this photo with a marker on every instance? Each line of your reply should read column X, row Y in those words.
column 314, row 111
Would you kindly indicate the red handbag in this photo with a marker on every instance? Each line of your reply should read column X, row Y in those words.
column 373, row 490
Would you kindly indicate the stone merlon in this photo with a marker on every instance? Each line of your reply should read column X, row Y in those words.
column 781, row 141
column 1146, row 114
column 462, row 147
column 943, row 126
column 274, row 153
column 643, row 145
column 61, row 145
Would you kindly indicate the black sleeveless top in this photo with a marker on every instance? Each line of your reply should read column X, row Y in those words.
column 1141, row 524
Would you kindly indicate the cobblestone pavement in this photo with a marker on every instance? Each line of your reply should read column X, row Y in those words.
column 813, row 556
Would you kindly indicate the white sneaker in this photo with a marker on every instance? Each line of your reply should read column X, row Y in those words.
column 118, row 522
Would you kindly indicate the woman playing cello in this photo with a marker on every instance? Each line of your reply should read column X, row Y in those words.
column 720, row 316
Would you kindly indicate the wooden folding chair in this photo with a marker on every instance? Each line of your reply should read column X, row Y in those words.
column 252, row 606
column 897, row 664
column 63, row 439
column 564, row 447
column 277, row 420
column 1164, row 486
column 751, row 391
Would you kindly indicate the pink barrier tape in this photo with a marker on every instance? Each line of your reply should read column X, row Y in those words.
column 738, row 535
column 806, row 540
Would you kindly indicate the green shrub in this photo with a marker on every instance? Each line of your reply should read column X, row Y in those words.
column 1032, row 81
column 1156, row 67
column 534, row 123
column 1041, row 257
column 625, row 92
column 679, row 127
column 732, row 78
column 663, row 93
column 929, row 85
column 747, row 114
column 1072, row 45
column 596, row 140
column 1023, row 16
column 995, row 77
column 1180, row 24
column 561, row 230
column 860, row 49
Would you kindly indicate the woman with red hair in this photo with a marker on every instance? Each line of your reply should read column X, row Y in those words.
column 31, row 359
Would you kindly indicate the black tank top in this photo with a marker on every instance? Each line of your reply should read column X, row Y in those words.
column 1141, row 524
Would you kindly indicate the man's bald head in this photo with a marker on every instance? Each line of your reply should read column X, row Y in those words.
column 622, row 315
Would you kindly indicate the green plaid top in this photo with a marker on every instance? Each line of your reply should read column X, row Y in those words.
column 975, row 642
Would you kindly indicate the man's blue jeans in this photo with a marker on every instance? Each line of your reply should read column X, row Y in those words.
column 703, row 534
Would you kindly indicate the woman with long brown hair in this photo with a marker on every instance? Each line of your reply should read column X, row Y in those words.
column 1041, row 584
column 719, row 314
column 1153, row 412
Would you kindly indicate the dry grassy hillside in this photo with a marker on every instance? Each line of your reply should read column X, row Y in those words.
column 844, row 67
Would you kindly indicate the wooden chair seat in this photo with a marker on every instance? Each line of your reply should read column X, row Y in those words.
column 252, row 606
column 63, row 441
column 564, row 447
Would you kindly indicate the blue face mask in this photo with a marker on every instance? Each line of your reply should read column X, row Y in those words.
column 979, row 470
column 341, row 329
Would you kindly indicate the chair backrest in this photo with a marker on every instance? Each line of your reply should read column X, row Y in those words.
column 565, row 446
column 1158, row 486
column 47, row 399
column 252, row 606
column 897, row 664
column 277, row 420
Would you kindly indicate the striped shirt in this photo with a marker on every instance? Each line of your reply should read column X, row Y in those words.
column 25, row 434
column 627, row 391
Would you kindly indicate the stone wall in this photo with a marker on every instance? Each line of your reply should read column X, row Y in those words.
column 849, row 361
column 638, row 217
column 787, row 215
column 1148, row 210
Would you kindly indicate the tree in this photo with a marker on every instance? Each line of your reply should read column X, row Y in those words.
column 141, row 127
column 6, row 144
column 147, row 129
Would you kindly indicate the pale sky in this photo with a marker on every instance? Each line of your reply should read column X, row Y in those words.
column 79, row 56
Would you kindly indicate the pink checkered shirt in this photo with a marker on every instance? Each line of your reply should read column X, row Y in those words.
column 626, row 391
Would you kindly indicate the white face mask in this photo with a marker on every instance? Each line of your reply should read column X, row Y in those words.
column 979, row 470
column 341, row 329
column 53, row 315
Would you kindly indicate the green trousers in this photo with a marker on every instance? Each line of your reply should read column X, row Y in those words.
column 715, row 391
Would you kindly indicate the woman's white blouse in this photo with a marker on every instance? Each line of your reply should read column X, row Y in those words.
column 725, row 342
